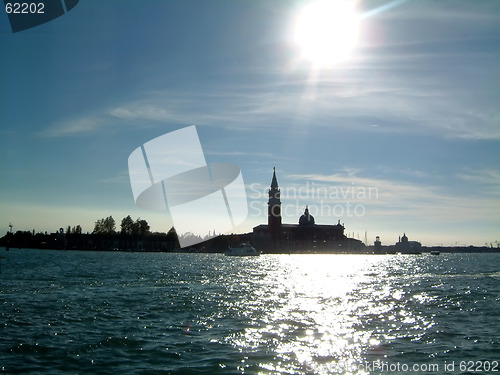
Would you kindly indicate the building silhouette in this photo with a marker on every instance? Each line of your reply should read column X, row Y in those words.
column 304, row 236
column 274, row 209
column 408, row 247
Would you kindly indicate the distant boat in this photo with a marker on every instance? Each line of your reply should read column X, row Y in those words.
column 242, row 250
column 435, row 252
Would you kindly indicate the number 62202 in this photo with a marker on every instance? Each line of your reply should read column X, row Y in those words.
column 25, row 8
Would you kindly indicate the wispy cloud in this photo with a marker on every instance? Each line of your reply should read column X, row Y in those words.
column 75, row 127
column 484, row 182
column 149, row 110
column 484, row 176
column 395, row 198
column 238, row 153
column 420, row 108
column 120, row 178
column 439, row 87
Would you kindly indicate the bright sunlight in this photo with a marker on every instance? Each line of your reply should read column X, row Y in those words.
column 326, row 31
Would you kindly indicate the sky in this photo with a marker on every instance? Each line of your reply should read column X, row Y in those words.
column 400, row 136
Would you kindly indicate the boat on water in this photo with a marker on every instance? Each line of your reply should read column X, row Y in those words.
column 435, row 252
column 242, row 250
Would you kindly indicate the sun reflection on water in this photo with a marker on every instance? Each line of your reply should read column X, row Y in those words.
column 287, row 314
column 313, row 313
column 326, row 314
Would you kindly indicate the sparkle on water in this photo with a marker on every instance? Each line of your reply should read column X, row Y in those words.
column 207, row 313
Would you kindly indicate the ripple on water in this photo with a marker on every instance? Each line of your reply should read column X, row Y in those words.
column 206, row 313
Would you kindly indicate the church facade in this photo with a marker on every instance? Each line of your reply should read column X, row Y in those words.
column 304, row 236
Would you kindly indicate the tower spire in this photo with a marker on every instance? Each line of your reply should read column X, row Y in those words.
column 274, row 182
column 274, row 208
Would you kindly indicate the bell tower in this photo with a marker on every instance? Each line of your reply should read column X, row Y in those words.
column 274, row 208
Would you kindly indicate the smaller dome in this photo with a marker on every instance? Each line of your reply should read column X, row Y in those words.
column 306, row 218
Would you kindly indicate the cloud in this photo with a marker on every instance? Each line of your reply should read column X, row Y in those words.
column 75, row 127
column 120, row 178
column 432, row 87
column 422, row 67
column 483, row 176
column 254, row 155
column 355, row 104
column 484, row 182
column 141, row 110
column 396, row 198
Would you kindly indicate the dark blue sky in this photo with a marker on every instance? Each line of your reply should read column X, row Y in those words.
column 413, row 112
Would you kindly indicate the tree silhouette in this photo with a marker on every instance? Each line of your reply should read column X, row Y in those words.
column 105, row 226
column 127, row 226
column 142, row 226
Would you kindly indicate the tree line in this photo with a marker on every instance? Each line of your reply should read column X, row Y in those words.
column 127, row 227
column 133, row 235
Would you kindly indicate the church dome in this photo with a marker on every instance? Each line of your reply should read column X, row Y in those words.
column 306, row 218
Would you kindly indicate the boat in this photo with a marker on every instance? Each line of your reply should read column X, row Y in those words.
column 435, row 252
column 242, row 250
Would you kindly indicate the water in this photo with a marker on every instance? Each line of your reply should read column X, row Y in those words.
column 162, row 313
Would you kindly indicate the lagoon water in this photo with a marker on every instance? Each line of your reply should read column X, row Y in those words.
column 165, row 313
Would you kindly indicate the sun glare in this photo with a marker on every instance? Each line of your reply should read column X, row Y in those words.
column 326, row 31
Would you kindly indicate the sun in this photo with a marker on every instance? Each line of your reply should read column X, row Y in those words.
column 326, row 31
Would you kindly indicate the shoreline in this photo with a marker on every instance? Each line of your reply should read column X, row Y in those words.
column 366, row 251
